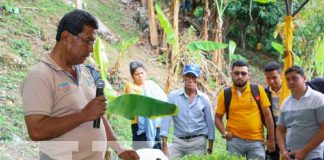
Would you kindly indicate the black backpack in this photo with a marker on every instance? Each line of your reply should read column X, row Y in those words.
column 255, row 93
column 317, row 84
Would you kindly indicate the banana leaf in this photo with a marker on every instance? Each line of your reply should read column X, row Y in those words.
column 101, row 59
column 265, row 1
column 231, row 49
column 205, row 46
column 278, row 47
column 165, row 24
column 133, row 105
column 319, row 62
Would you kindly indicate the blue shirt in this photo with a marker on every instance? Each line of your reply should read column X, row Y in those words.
column 194, row 118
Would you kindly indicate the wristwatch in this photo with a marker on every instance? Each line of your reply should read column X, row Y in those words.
column 224, row 135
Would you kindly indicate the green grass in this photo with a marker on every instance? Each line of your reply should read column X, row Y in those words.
column 16, row 32
column 111, row 16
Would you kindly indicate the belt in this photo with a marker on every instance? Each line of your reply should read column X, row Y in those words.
column 193, row 136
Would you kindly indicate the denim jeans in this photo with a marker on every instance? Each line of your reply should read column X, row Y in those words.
column 250, row 149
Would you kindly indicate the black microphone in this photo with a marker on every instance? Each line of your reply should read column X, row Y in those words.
column 99, row 92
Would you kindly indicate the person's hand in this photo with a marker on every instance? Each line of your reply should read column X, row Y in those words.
column 129, row 155
column 285, row 155
column 228, row 136
column 165, row 150
column 209, row 150
column 299, row 154
column 270, row 145
column 95, row 108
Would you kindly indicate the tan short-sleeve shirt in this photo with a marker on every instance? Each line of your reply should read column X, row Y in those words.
column 50, row 90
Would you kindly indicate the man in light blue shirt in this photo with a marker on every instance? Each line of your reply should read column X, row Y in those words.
column 194, row 123
column 301, row 119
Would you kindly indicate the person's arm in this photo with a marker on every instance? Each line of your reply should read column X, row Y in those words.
column 210, row 125
column 270, row 142
column 317, row 139
column 44, row 127
column 221, row 128
column 280, row 137
column 220, row 111
column 113, row 143
column 165, row 127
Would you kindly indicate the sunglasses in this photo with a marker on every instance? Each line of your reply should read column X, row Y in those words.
column 240, row 73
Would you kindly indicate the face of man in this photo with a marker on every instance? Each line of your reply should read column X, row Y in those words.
column 273, row 79
column 240, row 75
column 295, row 82
column 190, row 81
column 80, row 46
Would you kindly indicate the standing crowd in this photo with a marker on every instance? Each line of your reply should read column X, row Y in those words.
column 60, row 104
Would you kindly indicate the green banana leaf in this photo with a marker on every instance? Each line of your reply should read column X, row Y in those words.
column 101, row 59
column 319, row 54
column 130, row 105
column 165, row 24
column 133, row 105
column 205, row 46
column 231, row 49
column 278, row 47
column 265, row 1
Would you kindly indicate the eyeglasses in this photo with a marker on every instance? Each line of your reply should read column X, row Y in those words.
column 89, row 42
column 240, row 73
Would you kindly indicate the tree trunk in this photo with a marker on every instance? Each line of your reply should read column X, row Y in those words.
column 205, row 24
column 175, row 47
column 218, row 54
column 242, row 30
column 153, row 28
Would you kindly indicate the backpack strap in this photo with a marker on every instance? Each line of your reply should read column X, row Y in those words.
column 227, row 99
column 268, row 92
column 256, row 95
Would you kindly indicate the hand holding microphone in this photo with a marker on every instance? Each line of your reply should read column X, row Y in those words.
column 99, row 92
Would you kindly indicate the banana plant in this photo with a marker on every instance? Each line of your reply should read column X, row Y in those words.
column 205, row 46
column 319, row 54
column 165, row 24
column 128, row 106
column 122, row 48
column 101, row 59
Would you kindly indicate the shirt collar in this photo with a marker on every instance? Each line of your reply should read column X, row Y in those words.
column 182, row 92
column 307, row 94
column 270, row 89
column 308, row 90
column 51, row 63
column 247, row 89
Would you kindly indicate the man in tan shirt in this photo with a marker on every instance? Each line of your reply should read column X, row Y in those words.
column 59, row 100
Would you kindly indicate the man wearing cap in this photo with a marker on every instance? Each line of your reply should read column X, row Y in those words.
column 194, row 123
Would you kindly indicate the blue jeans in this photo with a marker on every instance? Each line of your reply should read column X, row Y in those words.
column 250, row 149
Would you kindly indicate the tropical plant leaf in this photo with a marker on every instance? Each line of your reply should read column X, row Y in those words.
column 165, row 24
column 101, row 59
column 278, row 47
column 126, row 44
column 265, row 1
column 231, row 50
column 205, row 46
column 319, row 61
column 133, row 105
column 236, row 57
